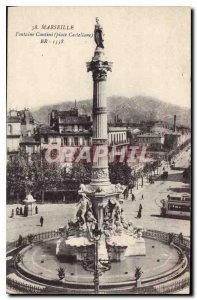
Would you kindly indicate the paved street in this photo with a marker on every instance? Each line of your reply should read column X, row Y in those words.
column 56, row 215
column 153, row 193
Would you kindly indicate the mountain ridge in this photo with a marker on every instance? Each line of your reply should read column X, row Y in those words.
column 133, row 110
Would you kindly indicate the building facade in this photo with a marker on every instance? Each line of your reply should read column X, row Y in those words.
column 71, row 128
column 20, row 132
column 151, row 140
column 117, row 135
column 13, row 132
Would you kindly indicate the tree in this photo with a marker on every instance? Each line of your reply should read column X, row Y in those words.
column 120, row 173
column 18, row 258
column 17, row 172
column 181, row 256
column 30, row 238
column 147, row 170
column 138, row 273
column 171, row 238
column 81, row 172
column 20, row 240
column 61, row 273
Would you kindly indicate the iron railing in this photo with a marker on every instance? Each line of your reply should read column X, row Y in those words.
column 24, row 287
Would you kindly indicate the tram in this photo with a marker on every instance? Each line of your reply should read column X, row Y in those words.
column 177, row 206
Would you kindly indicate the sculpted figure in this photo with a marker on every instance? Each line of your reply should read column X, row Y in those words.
column 119, row 188
column 84, row 206
column 98, row 34
column 90, row 221
column 82, row 188
column 113, row 209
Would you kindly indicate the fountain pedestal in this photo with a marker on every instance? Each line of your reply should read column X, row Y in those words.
column 99, row 205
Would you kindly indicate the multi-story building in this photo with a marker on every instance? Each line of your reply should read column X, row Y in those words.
column 117, row 135
column 20, row 132
column 13, row 132
column 151, row 140
column 69, row 128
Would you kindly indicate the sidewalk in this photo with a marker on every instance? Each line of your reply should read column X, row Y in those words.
column 140, row 189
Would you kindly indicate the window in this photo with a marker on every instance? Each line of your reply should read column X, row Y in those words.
column 54, row 140
column 76, row 142
column 9, row 129
column 65, row 141
column 46, row 140
column 178, row 208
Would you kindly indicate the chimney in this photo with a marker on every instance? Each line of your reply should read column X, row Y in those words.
column 174, row 123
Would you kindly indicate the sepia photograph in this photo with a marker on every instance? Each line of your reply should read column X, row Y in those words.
column 98, row 143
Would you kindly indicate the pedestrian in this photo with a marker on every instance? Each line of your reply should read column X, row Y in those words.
column 25, row 211
column 41, row 221
column 180, row 238
column 126, row 193
column 21, row 210
column 17, row 211
column 12, row 214
column 133, row 197
column 36, row 210
column 139, row 214
column 129, row 187
column 140, row 207
column 142, row 198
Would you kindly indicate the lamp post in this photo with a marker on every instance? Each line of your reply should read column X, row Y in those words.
column 137, row 180
column 142, row 180
column 97, row 266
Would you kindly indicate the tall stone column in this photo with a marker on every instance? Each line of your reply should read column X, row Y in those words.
column 100, row 190
column 99, row 68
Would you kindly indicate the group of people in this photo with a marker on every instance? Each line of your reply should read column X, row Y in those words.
column 19, row 211
column 126, row 194
column 127, row 191
column 23, row 212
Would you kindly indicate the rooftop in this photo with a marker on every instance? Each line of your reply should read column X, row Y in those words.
column 45, row 129
column 28, row 140
column 72, row 120
column 114, row 128
column 153, row 135
column 13, row 119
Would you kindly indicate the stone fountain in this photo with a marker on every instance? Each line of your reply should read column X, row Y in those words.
column 99, row 203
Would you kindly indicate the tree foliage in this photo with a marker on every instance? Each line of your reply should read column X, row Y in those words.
column 138, row 273
column 120, row 173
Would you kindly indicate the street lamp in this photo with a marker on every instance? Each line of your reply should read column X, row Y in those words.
column 97, row 266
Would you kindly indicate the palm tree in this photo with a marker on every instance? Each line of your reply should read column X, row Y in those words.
column 138, row 273
column 170, row 238
column 61, row 273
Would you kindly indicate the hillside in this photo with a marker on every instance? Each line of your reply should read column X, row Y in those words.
column 135, row 109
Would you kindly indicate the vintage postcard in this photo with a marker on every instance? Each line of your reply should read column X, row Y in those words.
column 98, row 150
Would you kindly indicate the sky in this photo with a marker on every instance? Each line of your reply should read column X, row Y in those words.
column 149, row 48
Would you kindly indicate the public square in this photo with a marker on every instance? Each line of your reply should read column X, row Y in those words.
column 98, row 193
column 57, row 215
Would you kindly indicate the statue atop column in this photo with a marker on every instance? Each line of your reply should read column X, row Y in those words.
column 98, row 34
